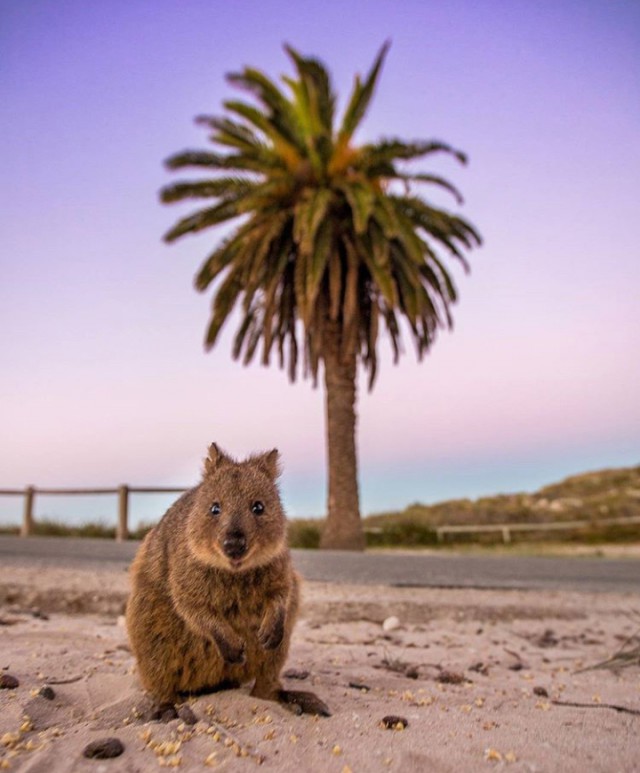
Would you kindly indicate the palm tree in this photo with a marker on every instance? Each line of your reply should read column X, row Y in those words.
column 332, row 243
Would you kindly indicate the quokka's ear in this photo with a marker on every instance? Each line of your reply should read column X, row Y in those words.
column 215, row 459
column 269, row 463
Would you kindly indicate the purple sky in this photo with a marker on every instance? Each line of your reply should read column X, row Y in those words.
column 104, row 378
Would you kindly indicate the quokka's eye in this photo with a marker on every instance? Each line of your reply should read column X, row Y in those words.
column 215, row 508
column 257, row 508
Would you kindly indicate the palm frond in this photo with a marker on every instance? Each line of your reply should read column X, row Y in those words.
column 279, row 107
column 361, row 200
column 237, row 161
column 316, row 97
column 223, row 304
column 204, row 218
column 434, row 180
column 361, row 97
column 389, row 150
column 204, row 189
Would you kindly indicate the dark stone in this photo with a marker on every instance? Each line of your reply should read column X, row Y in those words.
column 47, row 692
column 103, row 749
column 295, row 673
column 186, row 714
column 9, row 682
column 359, row 686
column 541, row 691
column 548, row 639
column 391, row 722
column 167, row 712
column 451, row 677
column 304, row 702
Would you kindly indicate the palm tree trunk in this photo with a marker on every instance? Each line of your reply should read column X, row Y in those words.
column 343, row 529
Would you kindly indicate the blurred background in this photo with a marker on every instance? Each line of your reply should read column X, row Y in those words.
column 104, row 378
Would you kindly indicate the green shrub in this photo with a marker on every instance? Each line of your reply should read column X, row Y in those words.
column 305, row 533
column 401, row 533
column 141, row 531
column 46, row 527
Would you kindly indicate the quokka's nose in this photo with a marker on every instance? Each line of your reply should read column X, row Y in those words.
column 235, row 544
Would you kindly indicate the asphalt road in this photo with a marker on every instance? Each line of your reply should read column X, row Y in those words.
column 399, row 569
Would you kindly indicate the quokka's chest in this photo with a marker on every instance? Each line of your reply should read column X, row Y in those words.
column 240, row 606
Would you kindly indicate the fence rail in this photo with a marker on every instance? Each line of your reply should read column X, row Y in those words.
column 123, row 491
column 506, row 528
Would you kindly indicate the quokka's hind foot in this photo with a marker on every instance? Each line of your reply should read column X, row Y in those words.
column 301, row 702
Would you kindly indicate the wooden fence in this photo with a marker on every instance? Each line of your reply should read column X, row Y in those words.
column 123, row 491
column 505, row 529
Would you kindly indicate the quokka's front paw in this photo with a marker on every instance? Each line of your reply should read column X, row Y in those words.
column 234, row 654
column 270, row 636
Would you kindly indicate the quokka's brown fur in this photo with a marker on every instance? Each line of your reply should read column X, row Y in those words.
column 214, row 594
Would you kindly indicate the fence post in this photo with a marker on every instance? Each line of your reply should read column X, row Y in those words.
column 122, row 532
column 506, row 535
column 27, row 518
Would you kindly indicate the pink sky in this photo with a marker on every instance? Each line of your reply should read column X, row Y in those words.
column 104, row 378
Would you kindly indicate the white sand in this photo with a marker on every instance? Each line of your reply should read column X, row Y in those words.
column 493, row 719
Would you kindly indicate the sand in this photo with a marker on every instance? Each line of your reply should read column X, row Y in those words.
column 484, row 680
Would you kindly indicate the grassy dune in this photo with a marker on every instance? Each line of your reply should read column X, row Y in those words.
column 590, row 496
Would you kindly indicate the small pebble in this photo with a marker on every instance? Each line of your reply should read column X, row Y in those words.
column 391, row 722
column 9, row 682
column 451, row 677
column 47, row 692
column 165, row 712
column 360, row 686
column 391, row 624
column 186, row 715
column 295, row 673
column 541, row 691
column 104, row 749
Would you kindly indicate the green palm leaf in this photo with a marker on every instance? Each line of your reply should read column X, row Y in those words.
column 360, row 98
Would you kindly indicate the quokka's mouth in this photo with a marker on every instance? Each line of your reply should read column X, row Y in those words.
column 237, row 562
